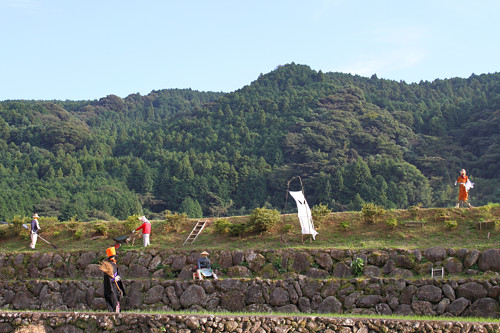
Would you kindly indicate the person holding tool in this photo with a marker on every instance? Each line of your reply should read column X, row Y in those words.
column 146, row 230
column 113, row 286
column 35, row 227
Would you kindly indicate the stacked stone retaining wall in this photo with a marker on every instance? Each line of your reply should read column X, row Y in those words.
column 385, row 296
column 129, row 322
column 324, row 263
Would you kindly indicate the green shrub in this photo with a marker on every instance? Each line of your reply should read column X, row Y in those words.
column 237, row 229
column 47, row 219
column 320, row 211
column 372, row 212
column 451, row 224
column 17, row 226
column 131, row 223
column 221, row 226
column 287, row 229
column 414, row 211
column 263, row 219
column 392, row 222
column 100, row 228
column 78, row 234
column 345, row 224
column 483, row 213
column 174, row 221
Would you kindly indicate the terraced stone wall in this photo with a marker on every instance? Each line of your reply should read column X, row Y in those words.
column 433, row 297
column 324, row 263
column 98, row 322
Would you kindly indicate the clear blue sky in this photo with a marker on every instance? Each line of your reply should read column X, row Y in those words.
column 68, row 49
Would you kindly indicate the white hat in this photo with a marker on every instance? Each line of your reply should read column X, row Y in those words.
column 35, row 216
column 143, row 219
column 462, row 171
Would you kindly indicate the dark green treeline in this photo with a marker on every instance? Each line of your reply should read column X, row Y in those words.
column 352, row 140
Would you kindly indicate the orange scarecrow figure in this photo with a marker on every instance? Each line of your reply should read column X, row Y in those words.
column 113, row 286
column 463, row 191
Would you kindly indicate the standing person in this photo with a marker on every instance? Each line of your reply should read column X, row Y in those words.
column 113, row 286
column 35, row 227
column 463, row 191
column 146, row 230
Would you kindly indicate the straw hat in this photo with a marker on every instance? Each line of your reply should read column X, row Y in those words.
column 35, row 216
column 204, row 253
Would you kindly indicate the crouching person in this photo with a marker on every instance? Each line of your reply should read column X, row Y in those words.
column 204, row 268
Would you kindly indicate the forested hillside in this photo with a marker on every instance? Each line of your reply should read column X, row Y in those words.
column 351, row 139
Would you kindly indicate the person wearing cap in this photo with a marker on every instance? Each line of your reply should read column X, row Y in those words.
column 146, row 230
column 204, row 267
column 113, row 286
column 35, row 227
column 463, row 191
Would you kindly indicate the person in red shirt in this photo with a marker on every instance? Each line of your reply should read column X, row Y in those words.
column 146, row 230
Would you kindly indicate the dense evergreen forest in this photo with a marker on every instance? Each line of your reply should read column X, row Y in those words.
column 352, row 140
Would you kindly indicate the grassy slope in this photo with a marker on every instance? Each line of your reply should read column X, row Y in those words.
column 332, row 230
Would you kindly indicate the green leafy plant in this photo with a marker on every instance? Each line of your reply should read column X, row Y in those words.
column 237, row 229
column 372, row 212
column 17, row 226
column 131, row 223
column 215, row 265
column 100, row 228
column 345, row 224
column 277, row 265
column 174, row 221
column 392, row 222
column 263, row 219
column 415, row 211
column 451, row 224
column 287, row 229
column 357, row 266
column 483, row 213
column 47, row 219
column 78, row 234
column 221, row 226
column 319, row 211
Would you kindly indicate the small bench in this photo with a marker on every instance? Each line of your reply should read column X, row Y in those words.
column 485, row 225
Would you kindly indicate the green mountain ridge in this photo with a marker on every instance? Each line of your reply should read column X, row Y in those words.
column 352, row 140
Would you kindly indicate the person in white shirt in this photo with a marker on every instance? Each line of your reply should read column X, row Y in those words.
column 35, row 227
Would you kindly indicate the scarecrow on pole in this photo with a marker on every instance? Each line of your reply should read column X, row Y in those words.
column 113, row 286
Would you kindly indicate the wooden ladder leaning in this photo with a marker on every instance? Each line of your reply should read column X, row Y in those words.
column 195, row 232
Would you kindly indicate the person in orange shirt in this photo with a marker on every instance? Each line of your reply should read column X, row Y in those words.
column 463, row 191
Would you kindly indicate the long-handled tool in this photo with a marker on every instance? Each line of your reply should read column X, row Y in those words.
column 46, row 241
